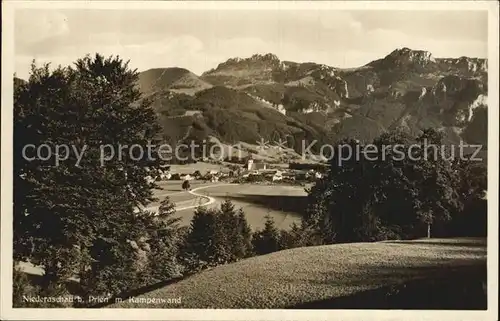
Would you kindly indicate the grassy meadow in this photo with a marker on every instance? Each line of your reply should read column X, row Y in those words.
column 358, row 275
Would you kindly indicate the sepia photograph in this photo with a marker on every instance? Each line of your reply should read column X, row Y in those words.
column 299, row 160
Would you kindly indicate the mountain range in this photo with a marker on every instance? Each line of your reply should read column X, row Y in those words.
column 263, row 97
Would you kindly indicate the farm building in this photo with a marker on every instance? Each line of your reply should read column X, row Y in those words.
column 187, row 177
column 255, row 165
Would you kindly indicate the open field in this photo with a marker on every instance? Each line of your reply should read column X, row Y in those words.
column 434, row 273
column 283, row 203
column 173, row 189
column 191, row 168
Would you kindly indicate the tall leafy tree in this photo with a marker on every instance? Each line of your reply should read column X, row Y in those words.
column 472, row 221
column 316, row 217
column 338, row 204
column 438, row 196
column 78, row 217
column 394, row 181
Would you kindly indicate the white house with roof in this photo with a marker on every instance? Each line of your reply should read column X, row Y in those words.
column 278, row 176
column 187, row 177
column 255, row 165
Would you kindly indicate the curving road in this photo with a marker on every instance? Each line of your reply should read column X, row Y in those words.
column 211, row 200
column 208, row 200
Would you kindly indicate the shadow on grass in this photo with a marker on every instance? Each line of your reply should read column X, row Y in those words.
column 473, row 242
column 457, row 288
column 285, row 203
column 133, row 293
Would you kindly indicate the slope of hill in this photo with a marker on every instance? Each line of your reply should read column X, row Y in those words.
column 407, row 89
column 230, row 115
column 321, row 276
column 173, row 79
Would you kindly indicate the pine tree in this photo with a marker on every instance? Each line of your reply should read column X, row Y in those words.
column 234, row 234
column 266, row 240
column 297, row 236
column 225, row 238
column 163, row 243
column 244, row 246
column 199, row 250
column 217, row 236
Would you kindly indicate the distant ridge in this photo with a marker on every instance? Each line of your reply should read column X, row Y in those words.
column 174, row 79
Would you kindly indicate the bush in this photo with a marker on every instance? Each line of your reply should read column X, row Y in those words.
column 25, row 286
column 256, row 178
column 22, row 286
column 186, row 185
column 298, row 236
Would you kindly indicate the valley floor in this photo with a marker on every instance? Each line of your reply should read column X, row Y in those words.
column 283, row 203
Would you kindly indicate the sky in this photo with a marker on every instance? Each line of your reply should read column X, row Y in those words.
column 199, row 40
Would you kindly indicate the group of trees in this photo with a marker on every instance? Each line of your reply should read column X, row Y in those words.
column 409, row 187
column 221, row 236
column 217, row 236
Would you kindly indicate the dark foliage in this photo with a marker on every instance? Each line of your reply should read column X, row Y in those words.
column 266, row 240
column 216, row 237
column 76, row 218
column 186, row 185
column 388, row 195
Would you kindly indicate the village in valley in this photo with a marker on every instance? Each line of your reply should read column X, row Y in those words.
column 251, row 171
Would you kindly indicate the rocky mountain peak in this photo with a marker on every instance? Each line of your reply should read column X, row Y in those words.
column 465, row 64
column 266, row 57
column 405, row 56
column 268, row 60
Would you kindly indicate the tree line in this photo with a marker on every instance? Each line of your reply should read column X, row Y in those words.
column 432, row 193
